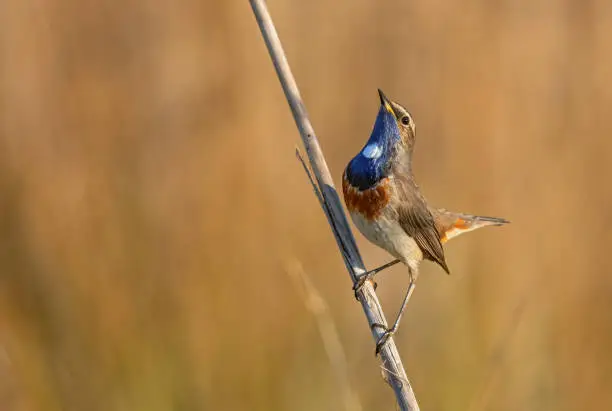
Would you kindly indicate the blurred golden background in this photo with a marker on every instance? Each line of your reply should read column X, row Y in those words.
column 150, row 203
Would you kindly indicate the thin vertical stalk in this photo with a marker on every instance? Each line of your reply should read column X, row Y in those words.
column 391, row 362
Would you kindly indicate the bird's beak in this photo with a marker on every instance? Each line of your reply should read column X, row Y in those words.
column 386, row 103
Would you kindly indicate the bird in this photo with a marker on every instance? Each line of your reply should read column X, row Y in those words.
column 387, row 207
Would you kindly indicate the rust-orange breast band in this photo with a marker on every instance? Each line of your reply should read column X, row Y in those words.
column 370, row 202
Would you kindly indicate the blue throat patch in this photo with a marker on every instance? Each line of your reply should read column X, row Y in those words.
column 373, row 162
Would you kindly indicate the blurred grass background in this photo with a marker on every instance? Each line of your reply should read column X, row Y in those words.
column 150, row 198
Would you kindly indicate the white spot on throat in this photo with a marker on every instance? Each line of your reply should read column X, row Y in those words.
column 372, row 150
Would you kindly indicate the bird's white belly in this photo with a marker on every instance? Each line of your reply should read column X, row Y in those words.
column 386, row 233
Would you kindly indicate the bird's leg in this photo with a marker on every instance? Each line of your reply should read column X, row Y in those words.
column 390, row 331
column 369, row 275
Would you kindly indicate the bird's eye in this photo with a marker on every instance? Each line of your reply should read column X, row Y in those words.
column 405, row 120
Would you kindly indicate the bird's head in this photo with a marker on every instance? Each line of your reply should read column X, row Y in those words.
column 394, row 124
column 392, row 139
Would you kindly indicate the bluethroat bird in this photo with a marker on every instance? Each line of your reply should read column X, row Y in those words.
column 387, row 207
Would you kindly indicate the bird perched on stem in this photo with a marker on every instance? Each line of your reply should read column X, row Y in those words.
column 387, row 207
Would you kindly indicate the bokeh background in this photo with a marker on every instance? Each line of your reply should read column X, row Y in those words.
column 153, row 215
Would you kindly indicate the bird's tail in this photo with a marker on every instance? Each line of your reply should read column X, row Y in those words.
column 451, row 224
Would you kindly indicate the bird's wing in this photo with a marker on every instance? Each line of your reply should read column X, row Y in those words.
column 419, row 224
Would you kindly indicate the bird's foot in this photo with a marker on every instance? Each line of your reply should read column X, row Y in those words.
column 384, row 338
column 369, row 276
column 388, row 332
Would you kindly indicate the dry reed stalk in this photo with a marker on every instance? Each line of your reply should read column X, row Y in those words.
column 330, row 202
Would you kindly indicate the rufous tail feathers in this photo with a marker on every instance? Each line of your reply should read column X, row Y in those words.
column 451, row 224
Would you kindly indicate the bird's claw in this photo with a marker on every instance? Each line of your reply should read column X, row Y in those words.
column 361, row 282
column 383, row 338
column 370, row 276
